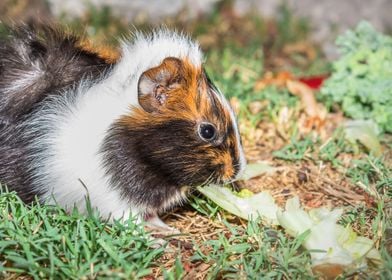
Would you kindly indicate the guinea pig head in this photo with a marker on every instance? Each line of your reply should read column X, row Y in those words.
column 184, row 129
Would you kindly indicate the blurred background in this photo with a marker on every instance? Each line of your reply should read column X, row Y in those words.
column 245, row 21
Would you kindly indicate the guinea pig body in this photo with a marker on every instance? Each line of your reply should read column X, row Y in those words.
column 132, row 135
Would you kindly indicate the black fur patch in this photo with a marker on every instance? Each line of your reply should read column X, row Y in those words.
column 150, row 164
column 61, row 65
column 35, row 63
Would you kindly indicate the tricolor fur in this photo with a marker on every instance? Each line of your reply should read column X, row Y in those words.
column 125, row 134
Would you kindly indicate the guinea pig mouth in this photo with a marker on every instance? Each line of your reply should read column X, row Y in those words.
column 218, row 175
column 226, row 181
column 207, row 180
column 228, row 174
column 219, row 180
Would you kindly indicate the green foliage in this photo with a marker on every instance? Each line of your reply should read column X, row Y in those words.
column 296, row 149
column 372, row 171
column 235, row 72
column 176, row 272
column 255, row 252
column 334, row 146
column 235, row 69
column 386, row 273
column 360, row 216
column 290, row 28
column 45, row 242
column 361, row 81
column 204, row 206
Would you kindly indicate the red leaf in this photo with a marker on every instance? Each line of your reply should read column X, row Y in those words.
column 314, row 82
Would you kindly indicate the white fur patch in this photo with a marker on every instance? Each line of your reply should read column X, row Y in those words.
column 69, row 168
column 148, row 51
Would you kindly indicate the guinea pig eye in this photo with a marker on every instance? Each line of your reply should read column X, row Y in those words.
column 207, row 131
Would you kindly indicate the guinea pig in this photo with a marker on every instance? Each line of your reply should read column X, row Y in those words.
column 133, row 135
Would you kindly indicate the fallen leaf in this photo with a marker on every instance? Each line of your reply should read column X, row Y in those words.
column 316, row 113
column 366, row 132
column 314, row 82
column 269, row 79
column 305, row 93
column 256, row 169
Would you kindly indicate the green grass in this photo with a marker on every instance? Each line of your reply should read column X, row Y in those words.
column 255, row 251
column 296, row 149
column 45, row 242
column 333, row 147
column 372, row 171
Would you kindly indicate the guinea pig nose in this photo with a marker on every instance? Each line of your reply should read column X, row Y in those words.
column 228, row 171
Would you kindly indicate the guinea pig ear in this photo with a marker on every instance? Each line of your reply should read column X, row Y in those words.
column 155, row 84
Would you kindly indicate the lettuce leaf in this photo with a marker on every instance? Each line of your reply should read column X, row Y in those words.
column 259, row 205
column 332, row 247
column 330, row 244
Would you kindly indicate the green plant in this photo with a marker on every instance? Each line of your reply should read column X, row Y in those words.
column 361, row 82
column 177, row 272
column 204, row 206
column 296, row 149
column 290, row 28
column 333, row 147
column 255, row 252
column 372, row 172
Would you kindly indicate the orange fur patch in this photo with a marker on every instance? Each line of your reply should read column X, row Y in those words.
column 224, row 159
column 109, row 54
column 181, row 100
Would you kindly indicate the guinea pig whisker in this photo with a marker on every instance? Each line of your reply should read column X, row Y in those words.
column 209, row 179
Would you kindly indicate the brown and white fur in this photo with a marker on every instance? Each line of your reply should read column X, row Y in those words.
column 126, row 134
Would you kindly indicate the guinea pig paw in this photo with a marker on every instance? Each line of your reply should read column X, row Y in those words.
column 156, row 243
column 156, row 226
